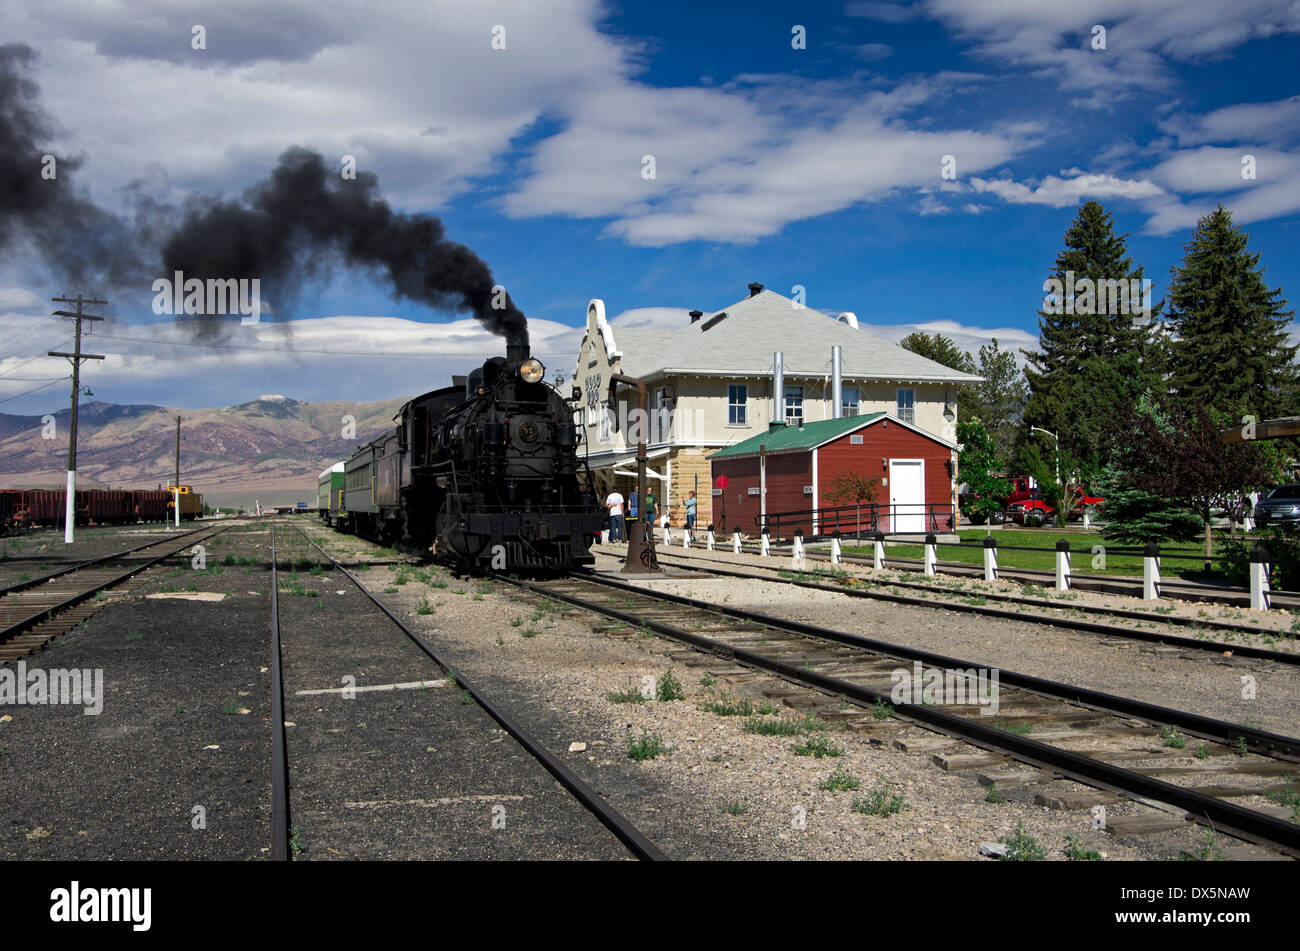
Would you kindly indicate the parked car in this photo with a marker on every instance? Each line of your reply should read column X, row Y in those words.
column 1280, row 505
column 1082, row 499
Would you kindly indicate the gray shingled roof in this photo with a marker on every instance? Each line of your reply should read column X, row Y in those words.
column 742, row 343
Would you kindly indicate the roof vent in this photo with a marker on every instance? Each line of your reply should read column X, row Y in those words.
column 775, row 424
column 716, row 318
column 755, row 289
column 696, row 315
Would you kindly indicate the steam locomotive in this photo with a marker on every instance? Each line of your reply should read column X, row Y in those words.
column 486, row 475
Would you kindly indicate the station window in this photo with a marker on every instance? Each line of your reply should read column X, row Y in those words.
column 794, row 405
column 907, row 406
column 737, row 405
column 849, row 400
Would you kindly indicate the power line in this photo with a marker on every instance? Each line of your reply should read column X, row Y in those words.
column 228, row 346
column 33, row 389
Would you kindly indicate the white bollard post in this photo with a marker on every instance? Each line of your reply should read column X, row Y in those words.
column 686, row 538
column 1063, row 565
column 931, row 554
column 796, row 552
column 765, row 544
column 709, row 539
column 878, row 551
column 1087, row 517
column 990, row 559
column 604, row 536
column 735, row 542
column 1151, row 572
column 835, row 549
column 1260, row 598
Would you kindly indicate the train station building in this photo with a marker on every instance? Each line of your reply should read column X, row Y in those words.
column 723, row 377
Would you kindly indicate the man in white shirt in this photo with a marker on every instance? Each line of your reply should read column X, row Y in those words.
column 614, row 502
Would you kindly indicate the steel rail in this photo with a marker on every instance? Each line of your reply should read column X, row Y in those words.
column 48, row 612
column 611, row 818
column 1092, row 627
column 280, row 848
column 33, row 582
column 1246, row 823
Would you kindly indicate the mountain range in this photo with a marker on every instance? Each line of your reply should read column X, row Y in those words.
column 269, row 449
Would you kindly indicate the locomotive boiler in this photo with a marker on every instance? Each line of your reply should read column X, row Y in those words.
column 486, row 475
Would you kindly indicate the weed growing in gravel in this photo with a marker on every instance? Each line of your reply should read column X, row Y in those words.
column 390, row 591
column 629, row 694
column 1208, row 852
column 477, row 597
column 1287, row 797
column 735, row 808
column 644, row 633
column 994, row 796
column 361, row 566
column 230, row 708
column 669, row 688
column 1241, row 747
column 516, row 621
column 729, row 707
column 1172, row 738
column 883, row 710
column 1006, row 726
column 425, row 607
column 840, row 781
column 316, row 571
column 1076, row 852
column 1202, row 751
column 295, row 839
column 817, row 745
column 531, row 632
column 466, row 698
column 716, row 758
column 500, row 641
column 647, row 746
column 135, row 637
column 879, row 802
column 707, row 681
column 783, row 726
column 1021, row 847
column 484, row 587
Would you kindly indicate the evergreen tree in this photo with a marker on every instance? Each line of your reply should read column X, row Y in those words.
column 940, row 349
column 1094, row 358
column 1230, row 349
column 998, row 401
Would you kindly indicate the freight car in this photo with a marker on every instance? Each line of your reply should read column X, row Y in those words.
column 47, row 507
column 486, row 475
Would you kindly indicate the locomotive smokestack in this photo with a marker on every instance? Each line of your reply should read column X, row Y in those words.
column 517, row 350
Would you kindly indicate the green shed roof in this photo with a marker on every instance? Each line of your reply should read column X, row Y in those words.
column 793, row 439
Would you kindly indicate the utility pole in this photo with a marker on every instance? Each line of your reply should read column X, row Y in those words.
column 70, row 506
column 176, row 491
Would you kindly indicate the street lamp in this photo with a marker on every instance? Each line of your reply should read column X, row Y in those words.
column 1058, row 450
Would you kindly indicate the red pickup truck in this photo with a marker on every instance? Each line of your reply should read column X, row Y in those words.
column 1026, row 506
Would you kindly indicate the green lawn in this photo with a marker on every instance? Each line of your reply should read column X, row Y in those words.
column 1045, row 540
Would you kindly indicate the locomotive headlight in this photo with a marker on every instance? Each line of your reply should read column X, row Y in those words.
column 532, row 371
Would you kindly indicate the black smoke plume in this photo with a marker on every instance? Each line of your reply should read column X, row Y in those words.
column 78, row 240
column 286, row 228
column 305, row 213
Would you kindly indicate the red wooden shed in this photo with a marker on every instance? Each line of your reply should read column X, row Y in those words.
column 798, row 466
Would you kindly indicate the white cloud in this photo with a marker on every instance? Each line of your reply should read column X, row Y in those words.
column 1246, row 122
column 732, row 166
column 652, row 318
column 1063, row 192
column 1054, row 39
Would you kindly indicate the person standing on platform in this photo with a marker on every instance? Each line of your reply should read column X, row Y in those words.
column 614, row 502
column 690, row 512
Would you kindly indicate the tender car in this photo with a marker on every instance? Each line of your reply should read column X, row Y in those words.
column 1280, row 505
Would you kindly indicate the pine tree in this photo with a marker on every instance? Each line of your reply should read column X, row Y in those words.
column 1230, row 349
column 1091, row 362
column 999, row 400
column 940, row 349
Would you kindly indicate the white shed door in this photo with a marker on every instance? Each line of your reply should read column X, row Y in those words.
column 907, row 495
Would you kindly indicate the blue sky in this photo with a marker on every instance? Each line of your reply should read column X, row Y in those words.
column 817, row 167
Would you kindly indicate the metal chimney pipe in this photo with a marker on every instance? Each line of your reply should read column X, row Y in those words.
column 837, row 385
column 778, row 387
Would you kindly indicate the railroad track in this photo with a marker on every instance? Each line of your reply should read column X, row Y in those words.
column 1081, row 734
column 35, row 611
column 617, row 823
column 1059, row 616
column 1099, row 584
